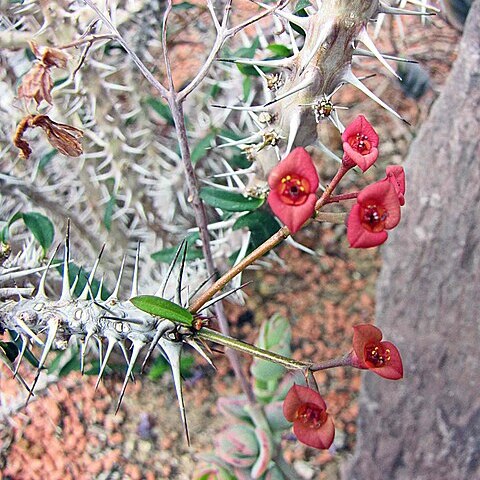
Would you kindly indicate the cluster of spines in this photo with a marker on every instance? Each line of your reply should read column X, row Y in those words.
column 111, row 321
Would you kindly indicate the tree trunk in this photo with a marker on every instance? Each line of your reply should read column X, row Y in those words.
column 427, row 426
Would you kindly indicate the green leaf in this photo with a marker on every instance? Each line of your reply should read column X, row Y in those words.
column 162, row 109
column 183, row 6
column 247, row 52
column 10, row 350
column 193, row 252
column 229, row 201
column 45, row 160
column 41, row 227
column 302, row 5
column 5, row 229
column 19, row 343
column 246, row 86
column 107, row 216
column 280, row 51
column 201, row 148
column 163, row 308
column 262, row 225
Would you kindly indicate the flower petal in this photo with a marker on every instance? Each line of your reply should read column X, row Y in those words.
column 357, row 236
column 362, row 335
column 361, row 125
column 382, row 194
column 297, row 396
column 293, row 216
column 396, row 176
column 320, row 438
column 394, row 369
column 362, row 161
column 298, row 162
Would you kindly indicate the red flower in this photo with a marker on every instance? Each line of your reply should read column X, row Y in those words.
column 396, row 176
column 369, row 352
column 293, row 183
column 360, row 142
column 377, row 210
column 312, row 425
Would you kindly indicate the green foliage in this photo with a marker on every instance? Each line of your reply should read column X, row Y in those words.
column 161, row 108
column 167, row 254
column 163, row 308
column 229, row 201
column 40, row 226
column 261, row 224
column 200, row 150
column 46, row 159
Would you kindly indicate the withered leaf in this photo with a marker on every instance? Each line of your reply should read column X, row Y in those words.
column 61, row 136
column 37, row 84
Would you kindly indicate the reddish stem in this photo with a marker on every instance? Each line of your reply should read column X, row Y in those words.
column 342, row 197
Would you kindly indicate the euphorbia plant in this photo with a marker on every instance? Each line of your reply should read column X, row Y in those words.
column 282, row 171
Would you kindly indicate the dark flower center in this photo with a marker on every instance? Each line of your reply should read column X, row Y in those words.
column 360, row 143
column 373, row 218
column 311, row 415
column 376, row 355
column 294, row 190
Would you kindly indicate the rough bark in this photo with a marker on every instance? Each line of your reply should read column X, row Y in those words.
column 427, row 426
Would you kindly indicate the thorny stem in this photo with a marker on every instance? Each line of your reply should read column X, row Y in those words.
column 89, row 39
column 216, row 337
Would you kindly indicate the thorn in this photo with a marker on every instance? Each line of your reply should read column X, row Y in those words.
column 91, row 277
column 161, row 291
column 125, row 354
column 366, row 53
column 293, row 130
column 353, row 80
column 134, row 291
column 22, row 353
column 258, row 108
column 110, row 345
column 137, row 346
column 173, row 352
column 28, row 331
column 41, row 294
column 75, row 282
column 302, row 85
column 325, row 32
column 114, row 295
column 100, row 288
column 222, row 296
column 100, row 350
column 400, row 11
column 65, row 295
column 52, row 332
column 200, row 351
column 158, row 334
column 201, row 286
column 178, row 294
column 83, row 350
column 251, row 139
column 258, row 63
column 367, row 41
column 301, row 22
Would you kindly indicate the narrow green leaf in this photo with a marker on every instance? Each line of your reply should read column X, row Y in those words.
column 107, row 216
column 302, row 5
column 202, row 148
column 10, row 350
column 193, row 252
column 162, row 109
column 247, row 86
column 19, row 343
column 229, row 201
column 183, row 6
column 163, row 308
column 280, row 51
column 46, row 159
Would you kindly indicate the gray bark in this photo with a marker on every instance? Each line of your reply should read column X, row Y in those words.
column 427, row 426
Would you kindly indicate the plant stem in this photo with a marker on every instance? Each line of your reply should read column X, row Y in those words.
column 341, row 197
column 272, row 242
column 216, row 337
column 331, row 187
column 331, row 217
column 344, row 361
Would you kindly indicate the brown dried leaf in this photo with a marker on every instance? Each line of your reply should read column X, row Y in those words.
column 37, row 84
column 49, row 57
column 61, row 136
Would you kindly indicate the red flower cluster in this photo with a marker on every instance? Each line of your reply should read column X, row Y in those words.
column 369, row 352
column 312, row 425
column 360, row 142
column 377, row 210
column 293, row 183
